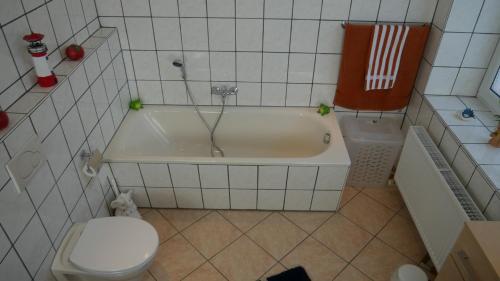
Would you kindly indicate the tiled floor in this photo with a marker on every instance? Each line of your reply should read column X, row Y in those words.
column 367, row 239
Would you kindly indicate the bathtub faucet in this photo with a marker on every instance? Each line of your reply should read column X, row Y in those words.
column 224, row 90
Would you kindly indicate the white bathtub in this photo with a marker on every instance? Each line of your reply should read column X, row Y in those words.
column 275, row 158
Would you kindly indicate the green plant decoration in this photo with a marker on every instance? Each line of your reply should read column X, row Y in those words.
column 135, row 104
column 323, row 109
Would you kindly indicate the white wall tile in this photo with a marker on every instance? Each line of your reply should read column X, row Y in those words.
column 249, row 66
column 221, row 33
column 480, row 190
column 222, row 66
column 273, row 94
column 393, row 10
column 327, row 68
column 213, row 176
column 44, row 118
column 452, row 49
column 73, row 130
column 16, row 210
column 492, row 211
column 145, row 65
column 12, row 268
column 322, row 94
column 243, row 177
column 56, row 151
column 249, row 34
column 95, row 196
column 162, row 197
column 19, row 137
column 335, row 9
column 4, row 244
column 270, row 199
column 249, row 93
column 307, row 9
column 331, row 177
column 448, row 146
column 298, row 200
column 468, row 82
column 274, row 68
column 198, row 66
column 110, row 82
column 480, row 50
column 249, row 9
column 81, row 213
column 103, row 55
column 364, row 10
column 184, row 175
column 136, row 8
column 63, row 98
column 421, row 10
column 167, row 33
column 298, row 94
column 301, row 177
column 463, row 15
column 150, row 92
column 4, row 158
column 194, row 33
column 92, row 69
column 139, row 195
column 99, row 96
column 192, row 8
column 463, row 166
column 17, row 44
column 33, row 245
column 243, row 199
column 278, row 9
column 220, row 8
column 277, row 35
column 40, row 185
column 331, row 37
column 155, row 175
column 442, row 12
column 436, row 128
column 70, row 187
column 304, row 36
column 300, row 68
column 164, row 8
column 127, row 174
column 325, row 200
column 140, row 33
column 189, row 198
column 441, row 81
column 216, row 198
column 488, row 19
column 174, row 92
column 14, row 11
column 87, row 112
column 272, row 177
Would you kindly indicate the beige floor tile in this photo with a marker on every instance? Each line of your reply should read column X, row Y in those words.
column 244, row 220
column 276, row 269
column 350, row 273
column 277, row 235
column 243, row 261
column 348, row 194
column 175, row 259
column 378, row 261
column 211, row 234
column 148, row 277
column 180, row 218
column 163, row 227
column 143, row 211
column 343, row 237
column 320, row 263
column 367, row 213
column 404, row 213
column 402, row 235
column 388, row 196
column 206, row 272
column 308, row 221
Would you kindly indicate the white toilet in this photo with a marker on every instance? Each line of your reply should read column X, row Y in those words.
column 110, row 248
column 409, row 272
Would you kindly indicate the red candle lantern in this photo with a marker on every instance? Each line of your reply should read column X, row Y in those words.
column 38, row 51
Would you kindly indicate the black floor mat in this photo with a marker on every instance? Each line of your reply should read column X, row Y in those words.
column 295, row 274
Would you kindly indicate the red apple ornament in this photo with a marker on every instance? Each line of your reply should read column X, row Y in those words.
column 4, row 120
column 75, row 52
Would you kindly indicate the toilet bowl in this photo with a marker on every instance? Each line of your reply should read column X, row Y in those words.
column 110, row 248
column 409, row 272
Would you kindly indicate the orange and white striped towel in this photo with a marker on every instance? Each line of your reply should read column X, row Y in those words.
column 387, row 44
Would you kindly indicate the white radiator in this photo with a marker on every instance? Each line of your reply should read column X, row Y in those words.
column 435, row 197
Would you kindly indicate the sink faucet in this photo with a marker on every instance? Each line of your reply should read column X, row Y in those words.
column 224, row 90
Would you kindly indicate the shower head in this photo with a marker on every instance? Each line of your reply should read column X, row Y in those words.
column 177, row 63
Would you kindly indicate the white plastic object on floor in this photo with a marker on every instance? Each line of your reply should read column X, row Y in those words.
column 374, row 146
column 123, row 205
column 409, row 272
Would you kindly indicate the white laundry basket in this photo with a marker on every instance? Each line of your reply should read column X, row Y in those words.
column 374, row 146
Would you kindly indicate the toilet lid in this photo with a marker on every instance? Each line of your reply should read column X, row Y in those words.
column 114, row 245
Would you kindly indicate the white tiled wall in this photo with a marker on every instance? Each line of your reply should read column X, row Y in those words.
column 78, row 114
column 220, row 186
column 278, row 52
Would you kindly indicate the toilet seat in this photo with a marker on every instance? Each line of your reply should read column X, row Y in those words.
column 114, row 246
